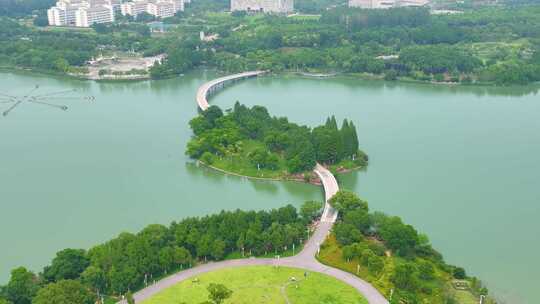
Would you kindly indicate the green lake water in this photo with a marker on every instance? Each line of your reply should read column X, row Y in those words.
column 460, row 164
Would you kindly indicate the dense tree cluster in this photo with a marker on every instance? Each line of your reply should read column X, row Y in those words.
column 61, row 51
column 179, row 60
column 357, row 223
column 438, row 59
column 128, row 261
column 355, row 19
column 218, row 135
column 484, row 44
column 417, row 44
column 21, row 8
column 370, row 238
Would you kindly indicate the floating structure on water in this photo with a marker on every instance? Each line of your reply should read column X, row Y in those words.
column 13, row 101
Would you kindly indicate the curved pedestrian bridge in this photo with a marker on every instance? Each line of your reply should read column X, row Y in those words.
column 212, row 86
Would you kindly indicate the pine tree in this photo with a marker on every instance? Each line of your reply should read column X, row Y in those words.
column 340, row 151
column 354, row 135
column 333, row 123
column 328, row 122
column 346, row 135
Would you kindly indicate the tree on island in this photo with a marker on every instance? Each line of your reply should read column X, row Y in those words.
column 347, row 201
column 218, row 293
column 95, row 278
column 64, row 292
column 22, row 286
column 67, row 265
column 310, row 210
column 129, row 298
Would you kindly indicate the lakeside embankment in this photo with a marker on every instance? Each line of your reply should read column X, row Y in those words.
column 127, row 77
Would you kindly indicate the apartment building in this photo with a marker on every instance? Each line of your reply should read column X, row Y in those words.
column 158, row 8
column 82, row 13
column 161, row 9
column 267, row 6
column 382, row 4
column 134, row 8
column 98, row 14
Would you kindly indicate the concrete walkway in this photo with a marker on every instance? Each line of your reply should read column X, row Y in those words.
column 216, row 84
column 306, row 259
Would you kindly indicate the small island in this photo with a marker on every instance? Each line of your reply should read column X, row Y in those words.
column 250, row 142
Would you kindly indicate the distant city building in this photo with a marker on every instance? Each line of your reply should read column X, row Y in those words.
column 208, row 38
column 158, row 8
column 401, row 3
column 97, row 14
column 445, row 12
column 134, row 8
column 266, row 6
column 381, row 4
column 82, row 13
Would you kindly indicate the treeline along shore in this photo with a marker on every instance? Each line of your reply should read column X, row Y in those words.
column 476, row 45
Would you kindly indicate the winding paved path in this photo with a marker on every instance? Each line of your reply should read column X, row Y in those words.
column 304, row 260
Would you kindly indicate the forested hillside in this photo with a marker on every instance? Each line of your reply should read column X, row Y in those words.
column 21, row 8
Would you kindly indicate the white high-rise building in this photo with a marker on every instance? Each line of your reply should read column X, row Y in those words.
column 115, row 4
column 81, row 13
column 380, row 4
column 158, row 8
column 161, row 9
column 57, row 16
column 86, row 17
column 402, row 3
column 179, row 5
column 371, row 4
column 266, row 6
column 134, row 8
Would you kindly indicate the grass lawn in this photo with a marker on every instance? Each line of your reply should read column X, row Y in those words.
column 240, row 164
column 465, row 297
column 263, row 284
column 500, row 51
column 331, row 254
column 347, row 164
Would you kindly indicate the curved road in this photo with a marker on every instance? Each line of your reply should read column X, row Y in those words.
column 304, row 260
